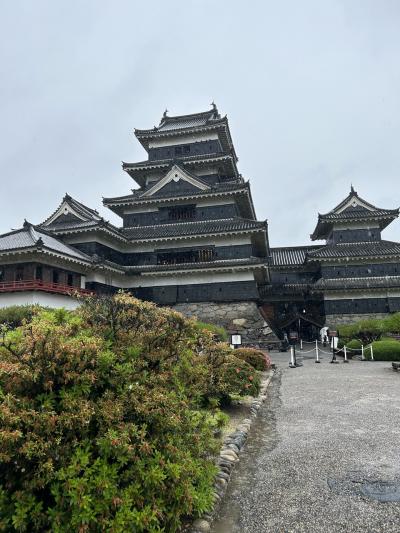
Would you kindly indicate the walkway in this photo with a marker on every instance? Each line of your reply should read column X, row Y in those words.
column 326, row 431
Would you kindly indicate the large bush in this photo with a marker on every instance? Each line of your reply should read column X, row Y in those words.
column 101, row 425
column 15, row 315
column 366, row 331
column 386, row 350
column 370, row 330
column 256, row 358
column 391, row 324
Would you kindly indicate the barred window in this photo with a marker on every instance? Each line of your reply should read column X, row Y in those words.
column 185, row 256
column 183, row 212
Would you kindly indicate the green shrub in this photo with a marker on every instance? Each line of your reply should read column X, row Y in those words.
column 347, row 332
column 391, row 324
column 354, row 344
column 15, row 315
column 102, row 425
column 354, row 348
column 385, row 350
column 228, row 376
column 256, row 358
column 218, row 331
column 366, row 331
column 237, row 378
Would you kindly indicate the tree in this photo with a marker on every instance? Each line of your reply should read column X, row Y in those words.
column 101, row 419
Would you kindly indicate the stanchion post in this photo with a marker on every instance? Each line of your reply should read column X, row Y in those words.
column 292, row 362
column 334, row 360
column 362, row 353
column 316, row 352
column 301, row 344
column 372, row 353
column 345, row 355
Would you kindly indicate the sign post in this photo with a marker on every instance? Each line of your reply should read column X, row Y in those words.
column 236, row 340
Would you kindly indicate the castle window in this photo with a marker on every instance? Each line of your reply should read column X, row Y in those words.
column 185, row 256
column 55, row 276
column 182, row 150
column 1, row 274
column 70, row 279
column 19, row 273
column 184, row 212
column 39, row 272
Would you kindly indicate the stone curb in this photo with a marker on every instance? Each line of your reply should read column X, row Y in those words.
column 229, row 456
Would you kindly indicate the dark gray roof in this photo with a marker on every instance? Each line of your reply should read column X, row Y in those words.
column 149, row 166
column 359, row 283
column 356, row 250
column 82, row 210
column 198, row 266
column 184, row 229
column 139, row 171
column 187, row 121
column 137, row 195
column 82, row 226
column 284, row 289
column 75, row 224
column 290, row 256
column 185, row 124
column 179, row 122
column 360, row 211
column 32, row 237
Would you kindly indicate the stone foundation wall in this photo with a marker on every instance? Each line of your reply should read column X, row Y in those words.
column 241, row 317
column 334, row 320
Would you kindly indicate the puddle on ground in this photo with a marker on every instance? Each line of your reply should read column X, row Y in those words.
column 367, row 486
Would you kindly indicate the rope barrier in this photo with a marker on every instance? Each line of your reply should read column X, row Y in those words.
column 308, row 351
column 345, row 350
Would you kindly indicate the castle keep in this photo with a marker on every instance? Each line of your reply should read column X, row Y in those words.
column 189, row 238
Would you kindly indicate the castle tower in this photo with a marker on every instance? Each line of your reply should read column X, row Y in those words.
column 192, row 224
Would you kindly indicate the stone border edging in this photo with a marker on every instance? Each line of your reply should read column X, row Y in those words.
column 229, row 456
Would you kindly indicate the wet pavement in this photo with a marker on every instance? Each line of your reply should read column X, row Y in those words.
column 323, row 455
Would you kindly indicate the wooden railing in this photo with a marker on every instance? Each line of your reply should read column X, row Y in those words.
column 39, row 285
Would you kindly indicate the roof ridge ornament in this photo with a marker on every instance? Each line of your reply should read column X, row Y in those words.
column 215, row 110
column 164, row 117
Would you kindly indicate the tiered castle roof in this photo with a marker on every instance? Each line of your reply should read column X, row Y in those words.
column 352, row 209
column 183, row 125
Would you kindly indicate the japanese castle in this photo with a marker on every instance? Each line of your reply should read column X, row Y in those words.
column 189, row 238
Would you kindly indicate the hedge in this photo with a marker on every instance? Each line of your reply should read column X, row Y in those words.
column 385, row 351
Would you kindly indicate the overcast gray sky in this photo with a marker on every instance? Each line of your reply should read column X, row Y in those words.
column 311, row 89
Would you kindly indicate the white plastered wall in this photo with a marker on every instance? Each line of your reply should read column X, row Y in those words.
column 183, row 139
column 41, row 298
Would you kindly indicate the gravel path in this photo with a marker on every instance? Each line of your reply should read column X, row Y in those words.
column 324, row 434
